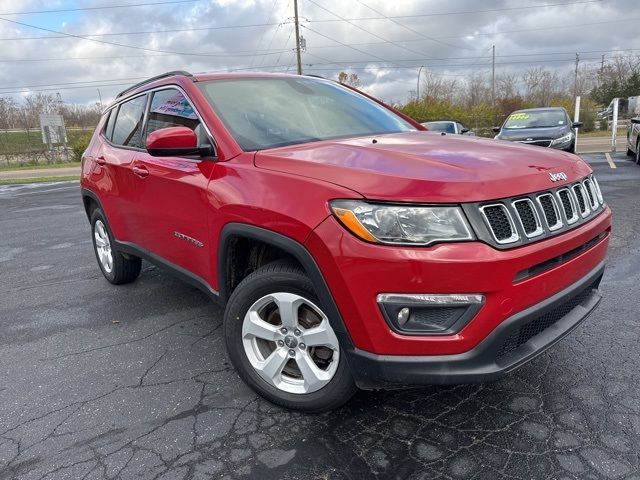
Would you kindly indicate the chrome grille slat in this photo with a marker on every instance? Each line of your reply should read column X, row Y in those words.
column 591, row 193
column 581, row 199
column 527, row 214
column 569, row 205
column 495, row 215
column 548, row 199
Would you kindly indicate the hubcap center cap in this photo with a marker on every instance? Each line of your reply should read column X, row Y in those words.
column 290, row 341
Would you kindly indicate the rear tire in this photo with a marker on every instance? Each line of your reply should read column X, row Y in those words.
column 638, row 152
column 116, row 267
column 292, row 359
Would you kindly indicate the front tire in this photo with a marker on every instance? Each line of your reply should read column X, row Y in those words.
column 281, row 342
column 638, row 152
column 115, row 266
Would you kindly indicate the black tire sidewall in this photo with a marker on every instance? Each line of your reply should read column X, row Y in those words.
column 254, row 287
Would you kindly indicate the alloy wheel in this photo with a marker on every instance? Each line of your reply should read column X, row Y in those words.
column 290, row 343
column 103, row 246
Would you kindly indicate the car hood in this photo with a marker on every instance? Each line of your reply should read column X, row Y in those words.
column 426, row 166
column 529, row 134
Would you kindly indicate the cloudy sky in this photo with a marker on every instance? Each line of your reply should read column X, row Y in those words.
column 78, row 47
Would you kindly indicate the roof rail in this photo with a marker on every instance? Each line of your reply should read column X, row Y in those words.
column 157, row 77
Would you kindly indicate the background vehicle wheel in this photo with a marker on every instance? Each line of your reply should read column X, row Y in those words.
column 638, row 152
column 116, row 267
column 281, row 342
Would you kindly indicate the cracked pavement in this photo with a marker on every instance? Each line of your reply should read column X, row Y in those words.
column 105, row 382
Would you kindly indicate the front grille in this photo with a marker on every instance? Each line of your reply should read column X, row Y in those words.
column 514, row 221
column 526, row 332
column 537, row 143
column 500, row 222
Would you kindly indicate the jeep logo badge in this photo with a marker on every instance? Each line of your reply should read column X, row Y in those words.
column 556, row 177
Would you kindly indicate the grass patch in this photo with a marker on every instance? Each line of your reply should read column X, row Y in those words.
column 18, row 181
column 43, row 166
column 22, row 142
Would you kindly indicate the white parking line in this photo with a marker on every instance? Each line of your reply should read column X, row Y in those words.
column 610, row 160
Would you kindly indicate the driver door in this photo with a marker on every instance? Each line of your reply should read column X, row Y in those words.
column 172, row 191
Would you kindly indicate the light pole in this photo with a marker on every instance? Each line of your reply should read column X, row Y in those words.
column 418, row 86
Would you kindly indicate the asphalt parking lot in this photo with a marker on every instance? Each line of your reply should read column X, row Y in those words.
column 105, row 382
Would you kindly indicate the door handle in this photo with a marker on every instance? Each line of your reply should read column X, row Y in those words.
column 101, row 160
column 140, row 171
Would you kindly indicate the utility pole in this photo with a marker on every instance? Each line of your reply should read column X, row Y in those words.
column 602, row 64
column 575, row 80
column 493, row 76
column 418, row 85
column 295, row 9
column 100, row 97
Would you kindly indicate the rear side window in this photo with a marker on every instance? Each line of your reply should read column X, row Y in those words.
column 108, row 131
column 127, row 130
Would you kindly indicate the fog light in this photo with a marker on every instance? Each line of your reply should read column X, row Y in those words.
column 403, row 315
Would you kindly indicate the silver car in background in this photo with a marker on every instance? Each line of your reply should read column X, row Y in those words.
column 448, row 126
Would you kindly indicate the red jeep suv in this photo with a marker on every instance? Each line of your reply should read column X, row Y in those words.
column 351, row 247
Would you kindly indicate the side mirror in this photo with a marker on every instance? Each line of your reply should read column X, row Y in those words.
column 464, row 130
column 577, row 124
column 175, row 142
column 496, row 129
column 635, row 120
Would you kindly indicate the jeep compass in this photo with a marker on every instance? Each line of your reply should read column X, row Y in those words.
column 350, row 246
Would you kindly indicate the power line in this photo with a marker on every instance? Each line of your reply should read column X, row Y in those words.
column 109, row 43
column 363, row 29
column 105, row 7
column 409, row 28
column 465, row 12
column 343, row 44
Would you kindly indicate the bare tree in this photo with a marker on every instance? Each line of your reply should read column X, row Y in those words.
column 439, row 88
column 349, row 79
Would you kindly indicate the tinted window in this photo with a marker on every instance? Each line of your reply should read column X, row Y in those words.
column 128, row 126
column 267, row 112
column 441, row 127
column 536, row 119
column 108, row 131
column 170, row 108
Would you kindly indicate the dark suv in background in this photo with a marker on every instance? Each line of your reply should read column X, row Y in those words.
column 544, row 127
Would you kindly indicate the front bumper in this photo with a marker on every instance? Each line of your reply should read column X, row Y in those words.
column 517, row 340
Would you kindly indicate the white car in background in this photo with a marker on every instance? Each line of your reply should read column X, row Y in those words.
column 448, row 126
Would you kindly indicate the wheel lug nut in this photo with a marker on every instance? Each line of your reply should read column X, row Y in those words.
column 280, row 343
column 292, row 353
column 297, row 332
column 283, row 330
column 303, row 346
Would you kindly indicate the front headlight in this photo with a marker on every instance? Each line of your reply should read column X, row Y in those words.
column 402, row 224
column 563, row 139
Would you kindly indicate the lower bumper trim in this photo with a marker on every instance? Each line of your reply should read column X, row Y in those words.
column 517, row 340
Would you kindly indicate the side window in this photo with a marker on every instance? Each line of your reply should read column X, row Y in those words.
column 108, row 131
column 128, row 125
column 170, row 108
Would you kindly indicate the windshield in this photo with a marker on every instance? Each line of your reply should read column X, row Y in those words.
column 271, row 112
column 441, row 127
column 536, row 119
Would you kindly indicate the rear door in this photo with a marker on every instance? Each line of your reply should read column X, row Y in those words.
column 120, row 139
column 172, row 191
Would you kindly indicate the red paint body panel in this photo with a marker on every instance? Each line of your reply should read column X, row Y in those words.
column 357, row 272
column 426, row 166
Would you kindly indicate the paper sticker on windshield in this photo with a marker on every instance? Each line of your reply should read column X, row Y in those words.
column 178, row 106
column 519, row 116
